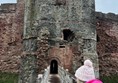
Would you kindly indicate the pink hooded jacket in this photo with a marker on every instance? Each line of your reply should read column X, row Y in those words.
column 95, row 81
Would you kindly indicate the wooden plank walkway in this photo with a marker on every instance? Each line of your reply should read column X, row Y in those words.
column 54, row 78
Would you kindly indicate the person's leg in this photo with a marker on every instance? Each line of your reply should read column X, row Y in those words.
column 79, row 81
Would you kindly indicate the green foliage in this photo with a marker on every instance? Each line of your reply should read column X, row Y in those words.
column 110, row 79
column 8, row 77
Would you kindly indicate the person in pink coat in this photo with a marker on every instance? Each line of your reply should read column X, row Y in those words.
column 85, row 72
column 94, row 81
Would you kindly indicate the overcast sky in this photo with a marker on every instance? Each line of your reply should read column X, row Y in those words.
column 107, row 6
column 104, row 6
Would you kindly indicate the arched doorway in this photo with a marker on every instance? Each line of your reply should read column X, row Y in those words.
column 54, row 67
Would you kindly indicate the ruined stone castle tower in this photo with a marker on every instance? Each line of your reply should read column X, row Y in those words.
column 11, row 37
column 61, row 30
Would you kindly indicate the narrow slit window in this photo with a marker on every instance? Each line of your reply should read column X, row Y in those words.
column 60, row 2
column 98, row 38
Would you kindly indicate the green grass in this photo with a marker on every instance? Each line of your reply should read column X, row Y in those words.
column 13, row 78
column 8, row 77
column 110, row 79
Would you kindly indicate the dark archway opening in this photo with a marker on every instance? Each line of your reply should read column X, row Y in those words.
column 68, row 35
column 54, row 67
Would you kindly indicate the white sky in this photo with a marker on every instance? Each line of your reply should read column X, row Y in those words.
column 104, row 6
column 8, row 1
column 107, row 6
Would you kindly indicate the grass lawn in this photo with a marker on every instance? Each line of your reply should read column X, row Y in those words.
column 110, row 79
column 8, row 77
column 13, row 78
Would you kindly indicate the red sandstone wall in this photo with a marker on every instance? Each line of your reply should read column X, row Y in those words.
column 65, row 55
column 107, row 45
column 11, row 27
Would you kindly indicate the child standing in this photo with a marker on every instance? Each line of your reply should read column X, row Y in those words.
column 85, row 72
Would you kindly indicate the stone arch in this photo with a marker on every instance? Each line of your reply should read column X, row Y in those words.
column 55, row 58
column 54, row 66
